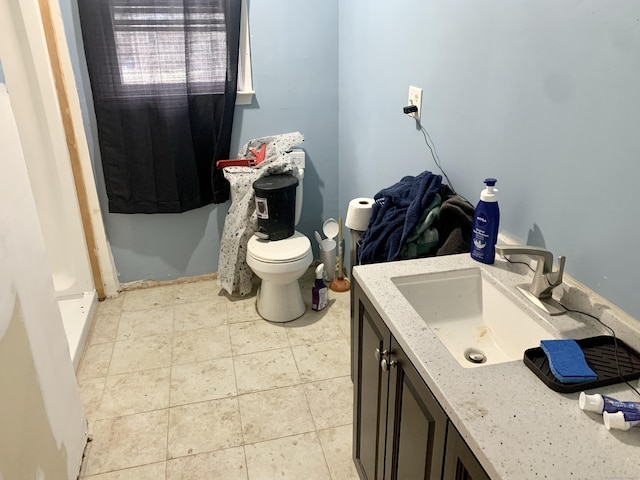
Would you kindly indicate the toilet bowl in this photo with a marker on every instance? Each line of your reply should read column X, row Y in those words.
column 279, row 264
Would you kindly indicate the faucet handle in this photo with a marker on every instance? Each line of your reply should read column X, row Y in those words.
column 555, row 278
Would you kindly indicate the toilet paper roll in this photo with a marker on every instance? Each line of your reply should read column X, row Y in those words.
column 359, row 213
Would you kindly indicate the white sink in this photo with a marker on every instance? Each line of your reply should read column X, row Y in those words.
column 472, row 317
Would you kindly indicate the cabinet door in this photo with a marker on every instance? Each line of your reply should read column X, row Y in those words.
column 459, row 462
column 370, row 389
column 417, row 425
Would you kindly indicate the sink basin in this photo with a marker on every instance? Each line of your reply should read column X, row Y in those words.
column 478, row 323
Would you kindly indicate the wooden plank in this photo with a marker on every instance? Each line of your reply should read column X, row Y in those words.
column 72, row 146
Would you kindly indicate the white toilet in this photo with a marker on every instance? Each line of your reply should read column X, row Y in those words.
column 279, row 264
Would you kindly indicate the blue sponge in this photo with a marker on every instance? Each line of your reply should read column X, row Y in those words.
column 566, row 361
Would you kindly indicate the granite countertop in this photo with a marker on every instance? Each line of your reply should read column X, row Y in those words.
column 515, row 425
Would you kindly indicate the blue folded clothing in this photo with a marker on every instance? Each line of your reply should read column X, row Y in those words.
column 567, row 362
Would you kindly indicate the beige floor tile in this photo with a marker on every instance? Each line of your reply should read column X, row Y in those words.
column 129, row 441
column 204, row 427
column 340, row 306
column 191, row 316
column 95, row 363
column 198, row 382
column 228, row 464
column 257, row 336
column 200, row 345
column 104, row 328
column 242, row 310
column 91, row 394
column 341, row 298
column 145, row 298
column 330, row 401
column 135, row 392
column 323, row 360
column 337, row 445
column 154, row 471
column 345, row 326
column 265, row 370
column 110, row 305
column 200, row 291
column 141, row 354
column 298, row 457
column 313, row 327
column 279, row 414
column 275, row 413
column 341, row 310
column 145, row 323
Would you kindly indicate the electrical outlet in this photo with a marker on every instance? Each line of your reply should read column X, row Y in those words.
column 415, row 98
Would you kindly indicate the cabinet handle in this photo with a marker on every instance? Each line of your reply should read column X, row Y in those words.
column 385, row 364
column 380, row 354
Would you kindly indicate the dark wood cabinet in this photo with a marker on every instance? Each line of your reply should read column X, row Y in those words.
column 400, row 430
column 459, row 461
column 399, row 427
column 370, row 395
column 416, row 424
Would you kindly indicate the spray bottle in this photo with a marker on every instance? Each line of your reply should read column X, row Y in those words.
column 486, row 220
column 319, row 292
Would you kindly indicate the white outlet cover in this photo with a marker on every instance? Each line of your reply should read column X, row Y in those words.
column 415, row 98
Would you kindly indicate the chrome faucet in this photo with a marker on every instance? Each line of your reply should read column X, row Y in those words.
column 545, row 278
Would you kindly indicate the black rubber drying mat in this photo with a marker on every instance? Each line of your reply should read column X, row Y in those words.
column 599, row 352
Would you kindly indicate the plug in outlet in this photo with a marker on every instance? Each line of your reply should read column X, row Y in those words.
column 415, row 98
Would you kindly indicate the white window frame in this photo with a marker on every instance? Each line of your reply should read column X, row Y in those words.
column 245, row 91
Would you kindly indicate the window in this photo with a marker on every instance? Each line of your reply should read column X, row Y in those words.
column 153, row 48
column 150, row 43
column 164, row 80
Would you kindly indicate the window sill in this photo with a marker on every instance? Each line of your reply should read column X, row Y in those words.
column 244, row 97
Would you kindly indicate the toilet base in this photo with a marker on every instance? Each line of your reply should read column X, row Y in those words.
column 280, row 302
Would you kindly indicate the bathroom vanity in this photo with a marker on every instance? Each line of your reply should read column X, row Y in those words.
column 400, row 430
column 420, row 412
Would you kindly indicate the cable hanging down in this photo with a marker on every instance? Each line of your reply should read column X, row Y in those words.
column 609, row 329
column 411, row 110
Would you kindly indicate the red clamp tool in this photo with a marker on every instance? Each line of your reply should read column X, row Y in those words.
column 257, row 159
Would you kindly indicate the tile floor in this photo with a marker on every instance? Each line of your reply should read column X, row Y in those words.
column 184, row 382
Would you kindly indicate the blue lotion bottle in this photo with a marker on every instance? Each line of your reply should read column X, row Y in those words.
column 486, row 220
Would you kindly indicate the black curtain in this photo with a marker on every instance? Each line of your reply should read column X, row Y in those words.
column 164, row 77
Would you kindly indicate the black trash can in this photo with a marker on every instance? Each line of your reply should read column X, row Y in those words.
column 276, row 206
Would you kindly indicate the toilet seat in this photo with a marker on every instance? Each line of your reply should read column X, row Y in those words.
column 288, row 250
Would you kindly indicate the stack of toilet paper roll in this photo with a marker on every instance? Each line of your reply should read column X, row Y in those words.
column 359, row 213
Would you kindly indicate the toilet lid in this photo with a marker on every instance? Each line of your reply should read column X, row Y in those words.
column 279, row 251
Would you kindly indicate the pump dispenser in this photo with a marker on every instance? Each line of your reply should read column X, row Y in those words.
column 486, row 220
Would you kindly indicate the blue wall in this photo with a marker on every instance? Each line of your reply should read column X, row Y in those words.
column 540, row 94
column 295, row 61
column 543, row 95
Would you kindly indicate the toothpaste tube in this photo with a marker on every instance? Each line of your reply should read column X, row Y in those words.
column 621, row 420
column 601, row 403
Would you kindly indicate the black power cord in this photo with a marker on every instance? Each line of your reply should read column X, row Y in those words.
column 408, row 110
column 613, row 333
column 615, row 344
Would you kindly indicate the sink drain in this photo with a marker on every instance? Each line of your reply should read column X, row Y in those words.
column 475, row 356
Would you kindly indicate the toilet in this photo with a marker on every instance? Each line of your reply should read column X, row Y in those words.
column 280, row 263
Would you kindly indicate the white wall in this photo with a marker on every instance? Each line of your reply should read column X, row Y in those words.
column 28, row 72
column 40, row 394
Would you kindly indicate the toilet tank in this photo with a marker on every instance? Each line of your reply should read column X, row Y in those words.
column 298, row 156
